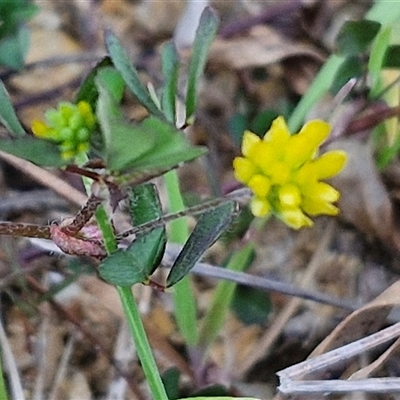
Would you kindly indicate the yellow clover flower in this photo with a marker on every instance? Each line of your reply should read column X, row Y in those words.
column 70, row 126
column 285, row 173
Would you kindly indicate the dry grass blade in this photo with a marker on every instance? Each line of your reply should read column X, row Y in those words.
column 302, row 377
column 10, row 365
column 292, row 377
column 61, row 372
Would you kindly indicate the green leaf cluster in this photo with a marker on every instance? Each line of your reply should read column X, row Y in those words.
column 151, row 146
column 136, row 263
column 366, row 48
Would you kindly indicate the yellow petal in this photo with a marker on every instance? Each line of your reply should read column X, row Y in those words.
column 321, row 191
column 260, row 207
column 86, row 111
column 39, row 128
column 279, row 173
column 278, row 134
column 260, row 185
column 314, row 206
column 294, row 218
column 249, row 140
column 329, row 164
column 289, row 196
column 316, row 131
column 305, row 175
column 244, row 169
column 303, row 145
column 262, row 155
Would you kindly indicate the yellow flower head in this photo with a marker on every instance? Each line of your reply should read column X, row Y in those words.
column 285, row 173
column 70, row 126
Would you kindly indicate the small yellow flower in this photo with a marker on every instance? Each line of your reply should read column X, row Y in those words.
column 285, row 173
column 70, row 126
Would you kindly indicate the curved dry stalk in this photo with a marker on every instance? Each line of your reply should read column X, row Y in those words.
column 46, row 178
column 10, row 365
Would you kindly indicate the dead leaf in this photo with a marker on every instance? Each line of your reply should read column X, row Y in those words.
column 364, row 201
column 352, row 337
column 262, row 46
column 362, row 322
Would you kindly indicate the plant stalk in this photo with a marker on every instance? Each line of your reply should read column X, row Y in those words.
column 132, row 316
column 184, row 301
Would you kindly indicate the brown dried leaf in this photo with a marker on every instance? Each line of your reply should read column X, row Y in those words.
column 362, row 322
column 262, row 46
column 364, row 201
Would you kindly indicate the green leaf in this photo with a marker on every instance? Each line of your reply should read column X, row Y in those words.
column 137, row 262
column 122, row 268
column 170, row 379
column 124, row 142
column 209, row 227
column 13, row 14
column 88, row 90
column 144, row 204
column 350, row 68
column 8, row 118
column 130, row 75
column 38, row 151
column 392, row 57
column 355, row 36
column 170, row 69
column 111, row 79
column 237, row 125
column 171, row 147
column 251, row 306
column 376, row 59
column 144, row 254
column 13, row 49
column 205, row 34
column 262, row 121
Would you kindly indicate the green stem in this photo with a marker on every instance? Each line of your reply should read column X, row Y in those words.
column 319, row 86
column 143, row 348
column 222, row 298
column 3, row 390
column 132, row 316
column 184, row 301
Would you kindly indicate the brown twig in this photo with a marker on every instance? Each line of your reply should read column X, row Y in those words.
column 26, row 230
column 46, row 178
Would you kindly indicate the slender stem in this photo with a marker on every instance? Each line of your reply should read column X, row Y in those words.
column 222, row 297
column 239, row 195
column 143, row 348
column 22, row 229
column 3, row 390
column 184, row 301
column 132, row 315
column 110, row 243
